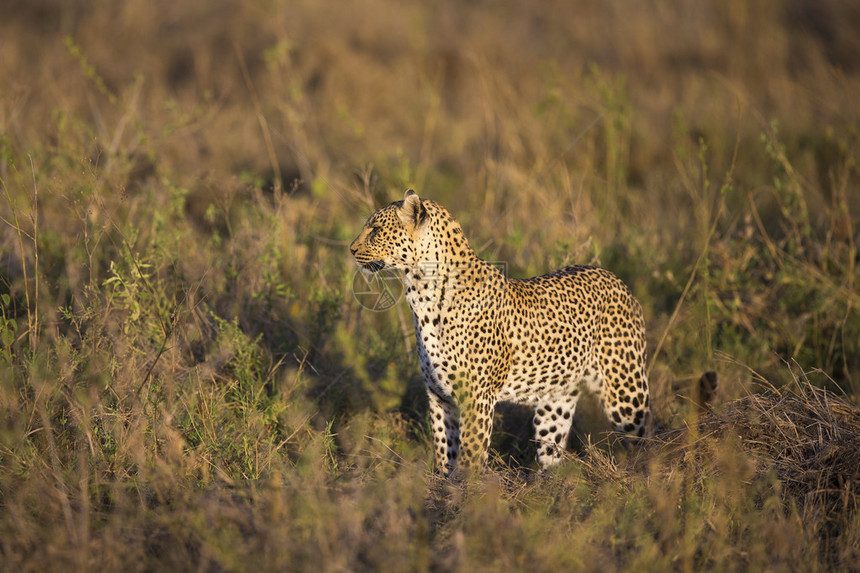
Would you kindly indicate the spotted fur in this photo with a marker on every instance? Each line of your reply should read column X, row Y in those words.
column 484, row 338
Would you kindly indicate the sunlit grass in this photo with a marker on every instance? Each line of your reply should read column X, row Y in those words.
column 188, row 382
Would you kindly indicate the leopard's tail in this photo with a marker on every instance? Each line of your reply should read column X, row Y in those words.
column 707, row 389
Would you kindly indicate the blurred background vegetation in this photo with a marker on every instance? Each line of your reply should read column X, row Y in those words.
column 187, row 381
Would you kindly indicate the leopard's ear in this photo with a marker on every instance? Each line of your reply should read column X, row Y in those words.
column 412, row 212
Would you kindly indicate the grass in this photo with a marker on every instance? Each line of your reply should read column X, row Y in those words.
column 188, row 382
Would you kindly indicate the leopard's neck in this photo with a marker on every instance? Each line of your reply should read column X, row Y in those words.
column 438, row 285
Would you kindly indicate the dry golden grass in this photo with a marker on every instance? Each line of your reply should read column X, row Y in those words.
column 187, row 381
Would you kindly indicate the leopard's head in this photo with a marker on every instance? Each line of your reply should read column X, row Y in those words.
column 388, row 239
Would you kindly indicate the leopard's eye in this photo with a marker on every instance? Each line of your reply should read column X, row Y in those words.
column 373, row 232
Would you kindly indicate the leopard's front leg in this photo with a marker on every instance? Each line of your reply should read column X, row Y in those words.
column 445, row 426
column 476, row 413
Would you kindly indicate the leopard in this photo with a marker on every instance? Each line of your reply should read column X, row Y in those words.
column 484, row 338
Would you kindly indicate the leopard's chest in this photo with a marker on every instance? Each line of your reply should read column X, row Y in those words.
column 457, row 312
column 438, row 366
